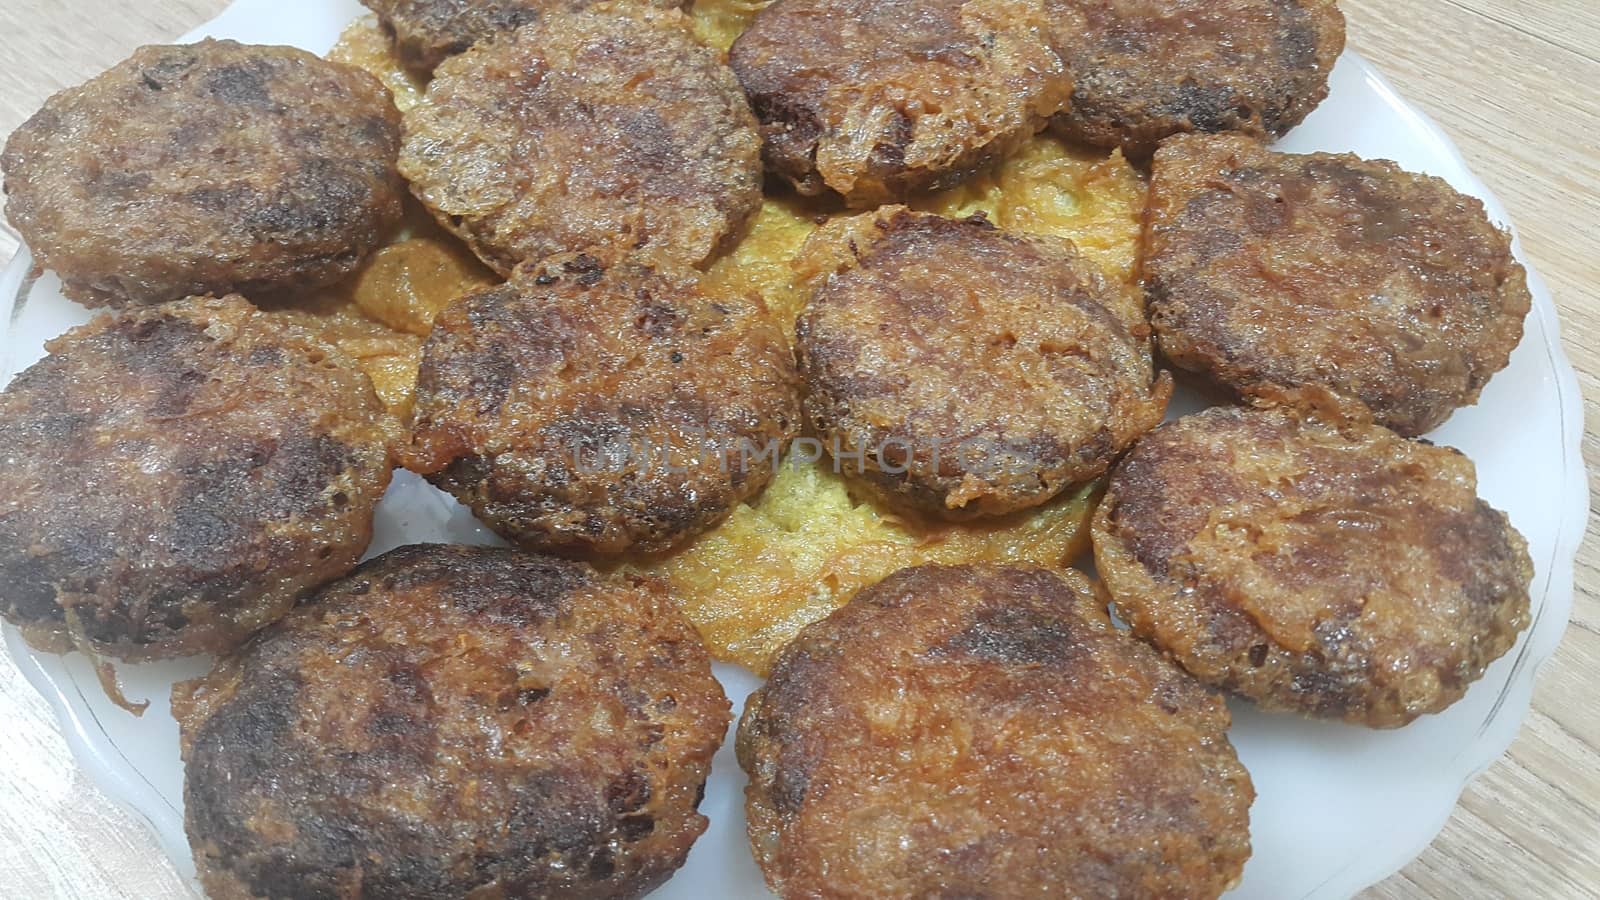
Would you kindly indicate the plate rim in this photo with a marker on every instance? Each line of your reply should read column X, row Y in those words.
column 122, row 782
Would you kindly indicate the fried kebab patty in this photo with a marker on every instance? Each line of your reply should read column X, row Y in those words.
column 173, row 477
column 1146, row 69
column 453, row 722
column 873, row 99
column 427, row 32
column 1339, row 571
column 984, row 731
column 963, row 370
column 606, row 127
column 1328, row 282
column 595, row 407
column 205, row 169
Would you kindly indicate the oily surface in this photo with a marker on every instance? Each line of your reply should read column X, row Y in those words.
column 454, row 721
column 1328, row 282
column 872, row 99
column 1340, row 572
column 596, row 407
column 977, row 371
column 798, row 550
column 984, row 731
column 175, row 476
column 426, row 32
column 1146, row 69
column 205, row 169
column 610, row 126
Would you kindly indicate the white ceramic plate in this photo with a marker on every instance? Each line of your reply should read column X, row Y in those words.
column 1339, row 807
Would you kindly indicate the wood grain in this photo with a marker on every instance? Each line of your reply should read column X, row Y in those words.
column 1515, row 82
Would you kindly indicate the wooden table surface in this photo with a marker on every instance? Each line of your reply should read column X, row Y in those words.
column 1515, row 82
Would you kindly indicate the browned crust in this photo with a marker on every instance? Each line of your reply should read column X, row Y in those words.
column 451, row 722
column 1328, row 282
column 1337, row 571
column 177, row 475
column 607, row 127
column 598, row 407
column 984, row 731
column 975, row 371
column 427, row 32
column 1147, row 69
column 205, row 169
column 873, row 99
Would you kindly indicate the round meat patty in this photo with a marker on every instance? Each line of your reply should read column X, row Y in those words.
column 1146, row 69
column 606, row 127
column 205, row 169
column 1337, row 571
column 597, row 408
column 873, row 99
column 961, row 370
column 1328, row 282
column 427, row 32
column 173, row 477
column 454, row 722
column 982, row 731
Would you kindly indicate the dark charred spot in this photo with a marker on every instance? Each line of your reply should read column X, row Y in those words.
column 159, row 337
column 586, row 269
column 120, row 184
column 266, row 356
column 530, row 696
column 168, row 69
column 304, row 466
column 378, row 130
column 889, row 153
column 1210, row 109
column 391, row 724
column 227, row 198
column 236, row 753
column 501, row 586
column 510, row 16
column 1322, row 691
column 650, row 145
column 190, row 135
column 1297, row 37
column 409, row 683
column 1258, row 655
column 592, row 441
column 1014, row 635
column 658, row 319
column 1176, row 695
column 245, row 84
column 322, row 197
column 200, row 532
column 555, row 814
column 635, row 828
column 178, row 393
column 59, row 426
column 628, row 793
column 790, row 132
column 602, row 865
